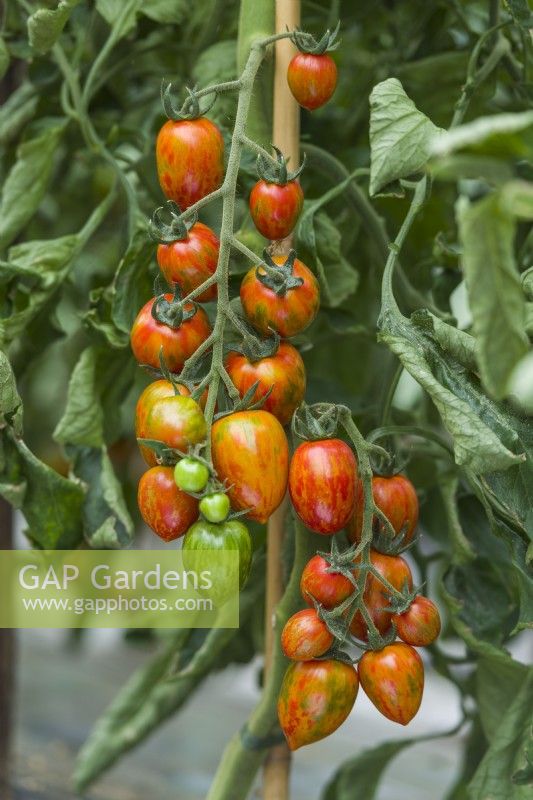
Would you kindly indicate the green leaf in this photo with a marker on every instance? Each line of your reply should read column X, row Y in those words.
column 503, row 135
column 121, row 15
column 106, row 521
column 16, row 111
column 475, row 445
column 361, row 775
column 508, row 751
column 5, row 58
column 497, row 682
column 26, row 183
column 50, row 503
column 82, row 422
column 10, row 402
column 521, row 13
column 37, row 270
column 401, row 137
column 321, row 238
column 495, row 295
column 166, row 12
column 46, row 25
column 132, row 286
column 457, row 343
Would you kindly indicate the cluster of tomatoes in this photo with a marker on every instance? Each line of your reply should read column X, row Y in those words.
column 318, row 691
column 248, row 473
column 181, row 494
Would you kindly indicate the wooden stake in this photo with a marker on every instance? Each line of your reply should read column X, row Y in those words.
column 286, row 136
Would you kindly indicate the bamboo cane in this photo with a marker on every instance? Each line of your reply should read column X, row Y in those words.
column 286, row 136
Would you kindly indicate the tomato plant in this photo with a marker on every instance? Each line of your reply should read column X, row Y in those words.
column 409, row 291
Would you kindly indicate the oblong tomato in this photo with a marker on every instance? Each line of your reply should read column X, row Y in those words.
column 393, row 679
column 203, row 539
column 190, row 159
column 175, row 419
column 420, row 624
column 397, row 572
column 148, row 336
column 315, row 699
column 190, row 261
column 167, row 510
column 251, row 455
column 283, row 372
column 312, row 79
column 329, row 589
column 322, row 480
column 275, row 207
column 305, row 636
column 287, row 314
column 396, row 497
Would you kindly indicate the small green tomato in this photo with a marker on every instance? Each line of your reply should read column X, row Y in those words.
column 215, row 507
column 191, row 475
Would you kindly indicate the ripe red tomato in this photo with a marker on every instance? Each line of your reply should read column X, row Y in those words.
column 167, row 510
column 315, row 699
column 305, row 636
column 275, row 207
column 190, row 159
column 376, row 597
column 148, row 336
column 176, row 420
column 396, row 498
column 284, row 371
column 329, row 589
column 287, row 314
column 312, row 79
column 420, row 624
column 322, row 479
column 191, row 261
column 393, row 679
column 251, row 454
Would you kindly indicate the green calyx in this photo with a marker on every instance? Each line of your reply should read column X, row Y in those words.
column 275, row 170
column 306, row 42
column 168, row 225
column 191, row 106
column 252, row 346
column 279, row 278
column 170, row 312
column 312, row 423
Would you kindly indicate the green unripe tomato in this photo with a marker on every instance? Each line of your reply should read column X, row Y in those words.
column 215, row 507
column 191, row 475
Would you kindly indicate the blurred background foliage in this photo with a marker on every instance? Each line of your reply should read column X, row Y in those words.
column 80, row 112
